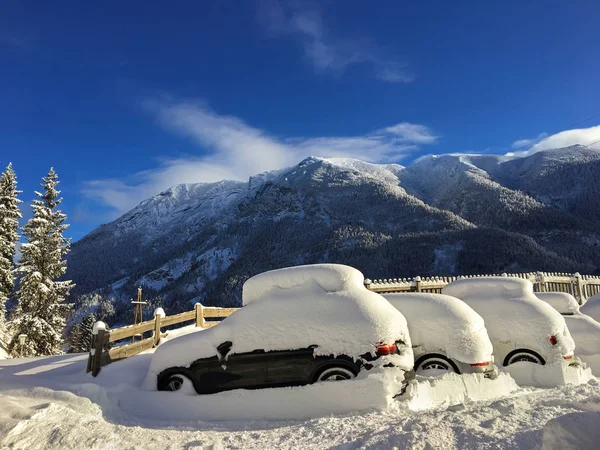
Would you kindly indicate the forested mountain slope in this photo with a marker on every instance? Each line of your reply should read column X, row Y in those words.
column 441, row 215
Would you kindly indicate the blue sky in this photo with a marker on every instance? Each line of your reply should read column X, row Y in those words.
column 125, row 99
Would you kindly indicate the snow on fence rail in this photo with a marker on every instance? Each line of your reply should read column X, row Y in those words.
column 100, row 355
column 580, row 286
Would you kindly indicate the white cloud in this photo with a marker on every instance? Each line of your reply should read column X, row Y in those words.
column 582, row 136
column 410, row 132
column 235, row 150
column 522, row 143
column 326, row 51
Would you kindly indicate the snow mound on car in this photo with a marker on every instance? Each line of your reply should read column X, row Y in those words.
column 586, row 333
column 513, row 313
column 592, row 307
column 345, row 322
column 443, row 323
column 318, row 278
column 561, row 301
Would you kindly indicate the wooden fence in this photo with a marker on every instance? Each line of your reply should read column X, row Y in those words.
column 100, row 355
column 579, row 286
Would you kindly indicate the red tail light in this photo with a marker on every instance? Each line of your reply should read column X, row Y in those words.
column 386, row 349
column 481, row 364
column 553, row 340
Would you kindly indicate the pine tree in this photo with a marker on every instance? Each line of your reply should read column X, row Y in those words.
column 42, row 309
column 74, row 339
column 9, row 236
column 85, row 339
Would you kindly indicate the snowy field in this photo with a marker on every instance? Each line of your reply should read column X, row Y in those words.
column 51, row 402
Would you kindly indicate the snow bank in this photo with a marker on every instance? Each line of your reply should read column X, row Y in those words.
column 301, row 314
column 550, row 375
column 451, row 389
column 592, row 307
column 318, row 278
column 576, row 430
column 372, row 390
column 440, row 322
column 561, row 301
column 513, row 314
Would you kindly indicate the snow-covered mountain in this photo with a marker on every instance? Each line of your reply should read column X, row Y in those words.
column 441, row 215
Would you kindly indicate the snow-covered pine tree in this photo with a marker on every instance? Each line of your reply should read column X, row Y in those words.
column 74, row 339
column 87, row 326
column 42, row 309
column 9, row 236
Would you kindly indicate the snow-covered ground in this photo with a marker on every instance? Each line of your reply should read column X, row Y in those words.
column 51, row 402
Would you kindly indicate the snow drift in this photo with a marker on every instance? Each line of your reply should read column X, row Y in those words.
column 443, row 323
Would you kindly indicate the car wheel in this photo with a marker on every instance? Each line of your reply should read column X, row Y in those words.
column 176, row 383
column 335, row 374
column 434, row 362
column 523, row 355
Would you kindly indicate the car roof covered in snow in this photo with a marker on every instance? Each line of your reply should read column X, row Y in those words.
column 318, row 277
column 561, row 301
column 440, row 322
column 592, row 307
column 348, row 321
column 513, row 313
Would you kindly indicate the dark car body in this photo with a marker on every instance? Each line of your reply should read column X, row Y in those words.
column 259, row 369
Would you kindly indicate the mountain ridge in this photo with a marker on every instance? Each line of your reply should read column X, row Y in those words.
column 439, row 216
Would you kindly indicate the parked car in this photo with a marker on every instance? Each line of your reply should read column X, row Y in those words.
column 298, row 326
column 446, row 334
column 561, row 301
column 584, row 329
column 521, row 326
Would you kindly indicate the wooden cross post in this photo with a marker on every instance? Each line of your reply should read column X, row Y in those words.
column 138, row 315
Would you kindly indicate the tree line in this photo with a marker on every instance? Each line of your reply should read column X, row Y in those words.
column 32, row 282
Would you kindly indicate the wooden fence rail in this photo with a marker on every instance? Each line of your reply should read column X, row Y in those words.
column 100, row 355
column 579, row 286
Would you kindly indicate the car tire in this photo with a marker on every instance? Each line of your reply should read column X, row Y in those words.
column 176, row 382
column 435, row 361
column 336, row 373
column 523, row 355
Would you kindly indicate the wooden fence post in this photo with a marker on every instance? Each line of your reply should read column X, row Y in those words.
column 578, row 287
column 539, row 278
column 90, row 361
column 200, row 322
column 417, row 281
column 99, row 332
column 159, row 313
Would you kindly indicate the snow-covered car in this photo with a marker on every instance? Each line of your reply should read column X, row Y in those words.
column 584, row 329
column 561, row 301
column 446, row 334
column 298, row 326
column 592, row 307
column 521, row 326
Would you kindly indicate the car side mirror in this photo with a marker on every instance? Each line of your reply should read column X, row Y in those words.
column 224, row 348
